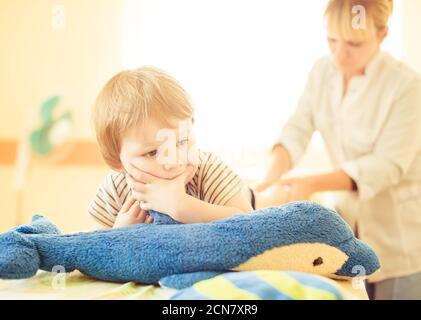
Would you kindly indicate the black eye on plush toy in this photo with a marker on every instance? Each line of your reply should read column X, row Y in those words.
column 318, row 261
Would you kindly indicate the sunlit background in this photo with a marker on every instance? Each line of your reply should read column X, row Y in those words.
column 244, row 64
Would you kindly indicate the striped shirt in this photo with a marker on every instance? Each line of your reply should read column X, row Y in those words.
column 214, row 182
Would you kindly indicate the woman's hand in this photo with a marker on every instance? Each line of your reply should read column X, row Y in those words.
column 271, row 179
column 131, row 213
column 266, row 183
column 299, row 188
column 302, row 188
column 280, row 163
column 158, row 194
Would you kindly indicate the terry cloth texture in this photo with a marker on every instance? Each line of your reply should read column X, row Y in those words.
column 304, row 236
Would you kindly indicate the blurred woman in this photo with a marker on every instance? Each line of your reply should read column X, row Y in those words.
column 367, row 107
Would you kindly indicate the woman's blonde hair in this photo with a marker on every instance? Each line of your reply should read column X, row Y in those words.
column 341, row 15
column 129, row 99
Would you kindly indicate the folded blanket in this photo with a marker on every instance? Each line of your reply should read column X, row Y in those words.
column 263, row 285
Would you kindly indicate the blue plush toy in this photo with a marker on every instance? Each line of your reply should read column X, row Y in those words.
column 299, row 236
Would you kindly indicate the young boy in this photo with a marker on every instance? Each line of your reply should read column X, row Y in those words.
column 143, row 120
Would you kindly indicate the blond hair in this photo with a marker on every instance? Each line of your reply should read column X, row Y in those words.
column 340, row 17
column 129, row 99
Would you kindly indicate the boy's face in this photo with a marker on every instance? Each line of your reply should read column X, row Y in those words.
column 160, row 150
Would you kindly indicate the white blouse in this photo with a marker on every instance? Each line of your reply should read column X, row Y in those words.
column 373, row 133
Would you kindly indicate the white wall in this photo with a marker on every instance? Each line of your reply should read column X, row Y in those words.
column 39, row 56
column 411, row 33
column 245, row 63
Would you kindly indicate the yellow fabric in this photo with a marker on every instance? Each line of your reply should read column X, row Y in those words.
column 74, row 285
column 223, row 289
column 48, row 286
column 294, row 288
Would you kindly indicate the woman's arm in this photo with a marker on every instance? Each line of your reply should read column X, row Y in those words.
column 334, row 181
column 280, row 163
column 302, row 188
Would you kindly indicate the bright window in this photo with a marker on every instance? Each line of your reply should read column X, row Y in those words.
column 244, row 62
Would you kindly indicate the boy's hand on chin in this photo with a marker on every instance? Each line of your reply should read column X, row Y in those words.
column 162, row 195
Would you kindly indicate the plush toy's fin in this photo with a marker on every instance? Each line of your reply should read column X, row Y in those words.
column 181, row 281
column 161, row 218
column 18, row 256
column 38, row 225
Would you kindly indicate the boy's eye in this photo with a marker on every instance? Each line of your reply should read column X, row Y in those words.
column 331, row 40
column 182, row 142
column 355, row 44
column 151, row 154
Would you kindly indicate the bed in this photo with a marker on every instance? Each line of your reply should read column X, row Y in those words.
column 76, row 286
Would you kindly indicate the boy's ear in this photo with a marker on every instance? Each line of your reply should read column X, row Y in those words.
column 119, row 168
column 122, row 170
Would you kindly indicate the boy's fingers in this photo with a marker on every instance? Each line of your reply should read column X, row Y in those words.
column 139, row 196
column 149, row 220
column 141, row 217
column 135, row 209
column 145, row 206
column 129, row 202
